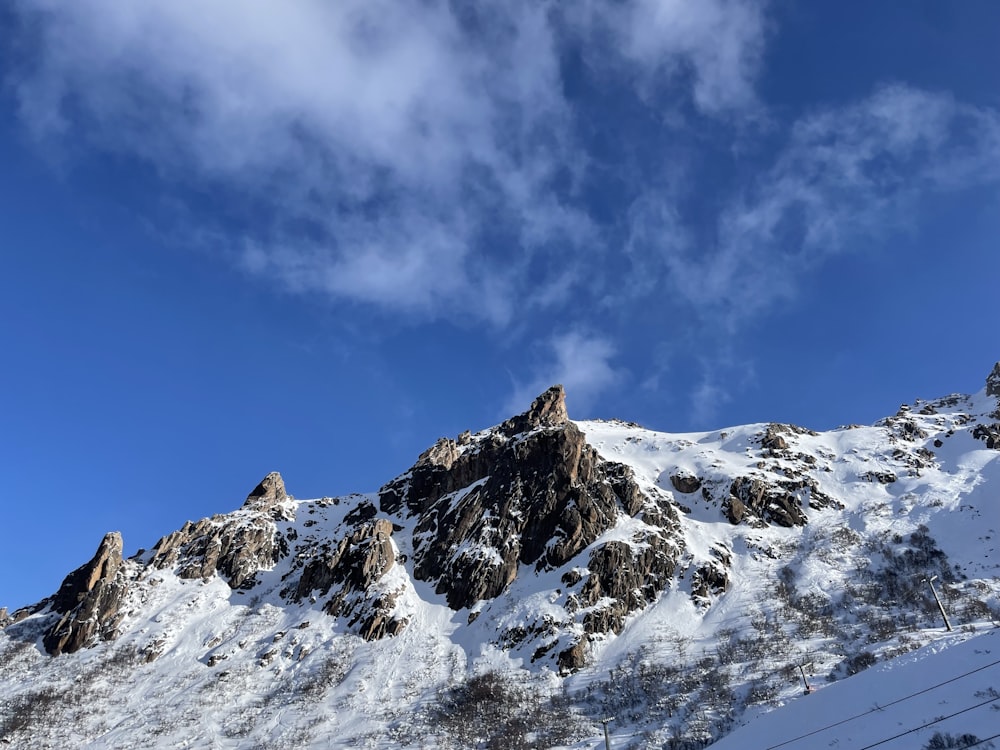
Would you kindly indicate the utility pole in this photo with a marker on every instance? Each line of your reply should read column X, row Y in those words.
column 802, row 671
column 930, row 582
column 607, row 740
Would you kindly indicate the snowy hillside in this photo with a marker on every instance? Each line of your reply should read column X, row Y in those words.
column 518, row 585
column 946, row 695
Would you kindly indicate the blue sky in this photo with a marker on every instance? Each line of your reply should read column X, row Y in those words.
column 239, row 238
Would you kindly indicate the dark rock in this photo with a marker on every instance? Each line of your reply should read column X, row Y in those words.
column 102, row 567
column 89, row 601
column 712, row 578
column 358, row 561
column 574, row 657
column 236, row 546
column 630, row 575
column 268, row 493
column 531, row 492
column 989, row 434
column 347, row 575
column 535, row 500
column 773, row 503
column 882, row 477
column 735, row 510
column 548, row 410
column 993, row 382
column 685, row 483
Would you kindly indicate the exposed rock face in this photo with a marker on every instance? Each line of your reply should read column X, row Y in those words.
column 531, row 493
column 751, row 496
column 712, row 578
column 993, row 382
column 268, row 493
column 537, row 499
column 685, row 483
column 358, row 561
column 631, row 575
column 548, row 410
column 89, row 600
column 235, row 545
column 989, row 434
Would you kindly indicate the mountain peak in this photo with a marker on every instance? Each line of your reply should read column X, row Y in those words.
column 548, row 410
column 268, row 493
column 993, row 382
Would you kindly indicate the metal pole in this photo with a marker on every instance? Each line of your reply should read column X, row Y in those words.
column 930, row 582
column 809, row 688
column 607, row 740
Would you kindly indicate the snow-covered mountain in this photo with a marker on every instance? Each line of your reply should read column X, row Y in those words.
column 518, row 585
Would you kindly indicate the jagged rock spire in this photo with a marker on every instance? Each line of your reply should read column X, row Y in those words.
column 103, row 566
column 993, row 382
column 548, row 410
column 89, row 600
column 268, row 493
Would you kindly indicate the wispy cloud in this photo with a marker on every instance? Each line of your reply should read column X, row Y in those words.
column 401, row 133
column 425, row 158
column 390, row 130
column 581, row 362
column 716, row 46
column 844, row 176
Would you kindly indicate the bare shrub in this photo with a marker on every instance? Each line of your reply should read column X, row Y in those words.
column 497, row 711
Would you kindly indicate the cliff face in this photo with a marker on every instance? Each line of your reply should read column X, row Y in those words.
column 530, row 493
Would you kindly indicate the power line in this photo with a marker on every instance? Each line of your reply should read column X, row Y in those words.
column 928, row 724
column 879, row 708
column 980, row 742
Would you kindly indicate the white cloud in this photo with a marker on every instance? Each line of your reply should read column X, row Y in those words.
column 394, row 133
column 715, row 46
column 845, row 175
column 402, row 132
column 582, row 363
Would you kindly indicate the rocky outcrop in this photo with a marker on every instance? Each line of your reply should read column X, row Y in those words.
column 346, row 574
column 712, row 578
column 89, row 600
column 548, row 410
column 989, row 434
column 993, row 382
column 627, row 577
column 685, row 483
column 752, row 497
column 268, row 494
column 531, row 493
column 236, row 546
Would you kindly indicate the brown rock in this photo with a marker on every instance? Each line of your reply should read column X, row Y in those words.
column 548, row 410
column 268, row 493
column 993, row 382
column 236, row 546
column 685, row 483
column 573, row 658
column 89, row 600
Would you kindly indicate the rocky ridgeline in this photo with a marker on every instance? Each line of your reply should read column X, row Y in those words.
column 477, row 511
column 533, row 493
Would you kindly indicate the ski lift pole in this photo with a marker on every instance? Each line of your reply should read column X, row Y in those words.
column 802, row 671
column 607, row 740
column 930, row 582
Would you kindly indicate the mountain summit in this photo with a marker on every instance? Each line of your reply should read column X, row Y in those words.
column 518, row 584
